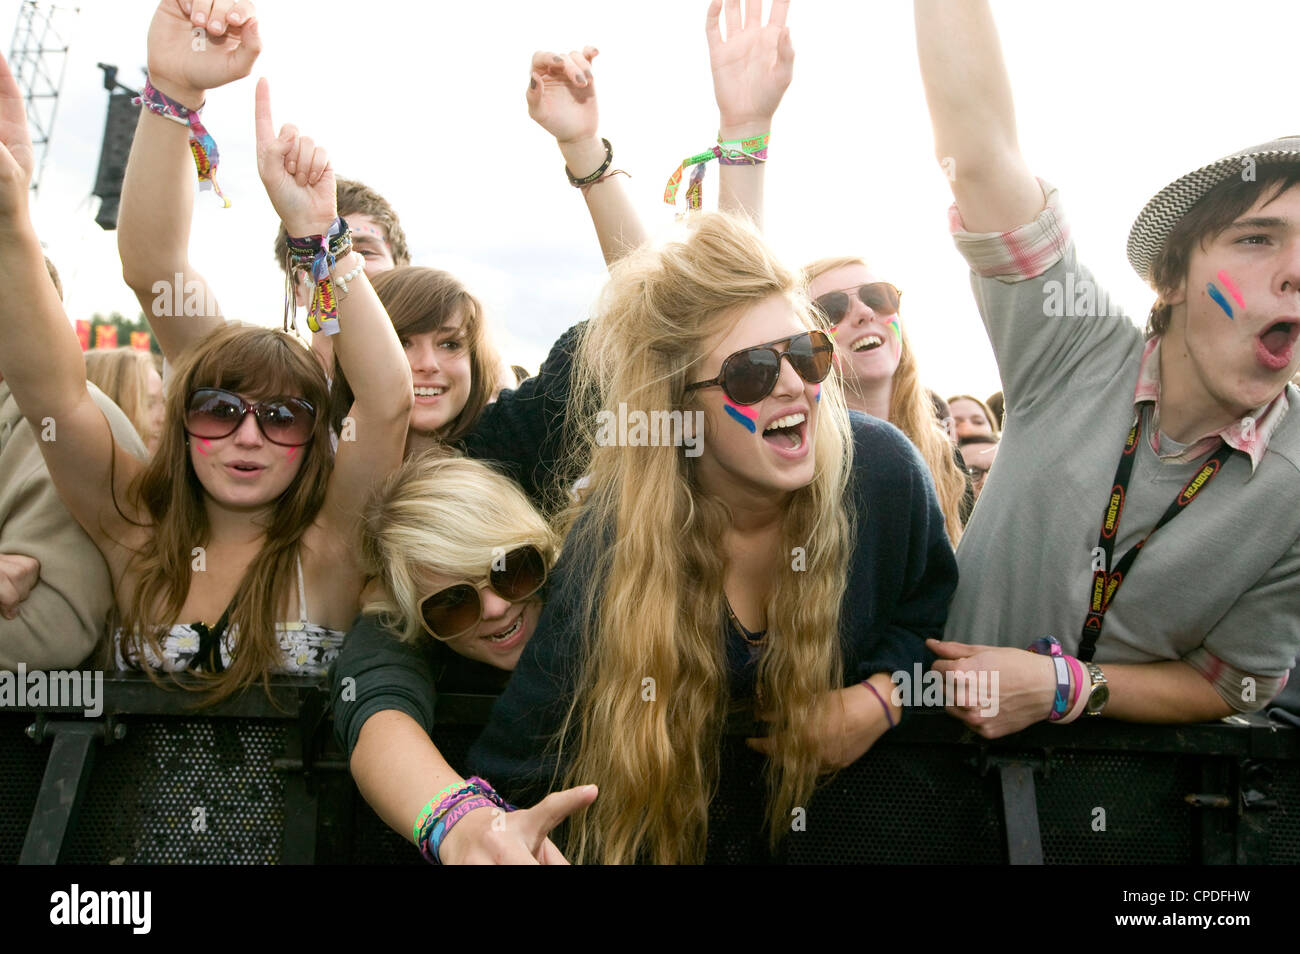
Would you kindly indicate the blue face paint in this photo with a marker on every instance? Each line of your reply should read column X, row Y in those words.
column 1219, row 299
column 738, row 415
column 818, row 396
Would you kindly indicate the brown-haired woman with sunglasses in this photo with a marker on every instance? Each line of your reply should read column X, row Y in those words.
column 460, row 559
column 243, row 504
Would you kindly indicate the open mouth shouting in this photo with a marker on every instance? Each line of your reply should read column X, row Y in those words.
column 1275, row 346
column 788, row 435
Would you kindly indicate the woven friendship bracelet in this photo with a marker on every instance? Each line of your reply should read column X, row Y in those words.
column 595, row 176
column 318, row 256
column 731, row 152
column 202, row 145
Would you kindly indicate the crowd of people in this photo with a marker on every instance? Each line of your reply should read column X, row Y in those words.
column 386, row 504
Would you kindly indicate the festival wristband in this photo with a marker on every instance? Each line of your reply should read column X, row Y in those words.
column 1081, row 694
column 318, row 256
column 732, row 152
column 202, row 145
column 431, row 807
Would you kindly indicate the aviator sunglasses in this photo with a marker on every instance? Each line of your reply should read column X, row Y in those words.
column 881, row 297
column 213, row 413
column 748, row 376
column 455, row 610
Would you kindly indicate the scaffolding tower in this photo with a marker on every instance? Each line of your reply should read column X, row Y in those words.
column 38, row 55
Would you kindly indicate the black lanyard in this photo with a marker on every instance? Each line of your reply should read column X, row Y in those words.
column 1106, row 582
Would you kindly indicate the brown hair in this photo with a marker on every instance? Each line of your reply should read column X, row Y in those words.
column 420, row 300
column 123, row 374
column 357, row 198
column 994, row 422
column 54, row 277
column 261, row 363
column 912, row 412
column 1206, row 220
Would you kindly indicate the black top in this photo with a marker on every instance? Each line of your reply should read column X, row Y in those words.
column 901, row 575
column 523, row 430
column 387, row 673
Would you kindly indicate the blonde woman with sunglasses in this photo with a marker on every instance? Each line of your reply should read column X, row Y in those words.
column 460, row 559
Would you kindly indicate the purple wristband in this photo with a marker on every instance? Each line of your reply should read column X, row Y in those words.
column 888, row 715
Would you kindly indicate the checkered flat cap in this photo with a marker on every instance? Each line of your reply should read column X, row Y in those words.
column 1161, row 214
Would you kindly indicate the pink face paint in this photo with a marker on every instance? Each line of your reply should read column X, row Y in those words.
column 747, row 417
column 1226, row 281
column 293, row 452
column 817, row 393
column 205, row 447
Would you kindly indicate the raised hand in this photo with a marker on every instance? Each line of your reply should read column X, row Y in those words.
column 296, row 172
column 562, row 94
column 16, row 157
column 751, row 68
column 198, row 45
column 486, row 837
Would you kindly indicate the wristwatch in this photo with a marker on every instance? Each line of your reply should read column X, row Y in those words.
column 1099, row 695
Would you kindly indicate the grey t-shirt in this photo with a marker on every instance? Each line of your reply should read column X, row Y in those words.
column 1225, row 575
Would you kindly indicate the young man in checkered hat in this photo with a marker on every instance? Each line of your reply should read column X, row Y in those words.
column 1143, row 505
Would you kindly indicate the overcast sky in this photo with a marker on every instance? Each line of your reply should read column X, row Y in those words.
column 425, row 102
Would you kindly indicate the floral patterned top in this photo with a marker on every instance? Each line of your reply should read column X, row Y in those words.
column 305, row 648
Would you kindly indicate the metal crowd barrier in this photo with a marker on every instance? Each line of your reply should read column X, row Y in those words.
column 258, row 780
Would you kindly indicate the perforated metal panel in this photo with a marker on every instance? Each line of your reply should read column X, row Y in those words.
column 904, row 805
column 1147, row 820
column 22, row 764
column 1284, row 820
column 192, row 791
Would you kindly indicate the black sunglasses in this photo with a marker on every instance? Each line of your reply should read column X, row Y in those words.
column 214, row 413
column 748, row 376
column 455, row 610
column 881, row 297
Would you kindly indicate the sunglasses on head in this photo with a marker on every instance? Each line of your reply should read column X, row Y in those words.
column 455, row 610
column 881, row 297
column 748, row 376
column 213, row 413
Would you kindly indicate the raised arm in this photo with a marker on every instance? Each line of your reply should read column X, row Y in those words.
column 974, row 117
column 300, row 184
column 752, row 69
column 40, row 359
column 215, row 44
column 562, row 100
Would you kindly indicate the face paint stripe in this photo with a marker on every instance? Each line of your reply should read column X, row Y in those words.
column 1218, row 297
column 893, row 324
column 1226, row 281
column 742, row 416
column 205, row 447
column 293, row 452
column 817, row 395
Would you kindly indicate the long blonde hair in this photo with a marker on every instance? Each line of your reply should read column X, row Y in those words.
column 651, row 700
column 259, row 362
column 912, row 412
column 442, row 514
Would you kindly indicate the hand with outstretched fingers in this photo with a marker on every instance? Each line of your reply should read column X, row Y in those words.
column 198, row 45
column 17, row 161
column 18, row 574
column 753, row 67
column 488, row 836
column 296, row 172
column 562, row 94
column 1025, row 687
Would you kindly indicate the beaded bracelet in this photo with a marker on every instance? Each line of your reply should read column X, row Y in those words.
column 730, row 152
column 318, row 256
column 595, row 176
column 202, row 145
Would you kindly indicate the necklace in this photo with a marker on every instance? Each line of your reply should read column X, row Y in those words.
column 753, row 639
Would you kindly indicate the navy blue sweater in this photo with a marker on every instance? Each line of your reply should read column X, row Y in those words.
column 900, row 578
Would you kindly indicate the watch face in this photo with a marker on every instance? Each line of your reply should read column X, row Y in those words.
column 1098, row 699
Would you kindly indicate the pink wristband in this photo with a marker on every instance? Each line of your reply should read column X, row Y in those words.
column 1080, row 697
